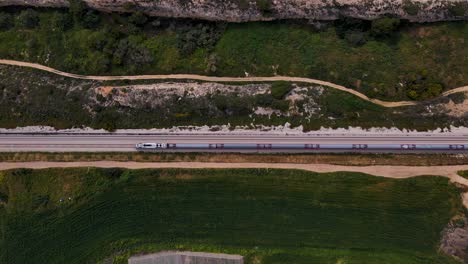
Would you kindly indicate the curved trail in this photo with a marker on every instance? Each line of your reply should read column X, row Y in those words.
column 398, row 172
column 221, row 79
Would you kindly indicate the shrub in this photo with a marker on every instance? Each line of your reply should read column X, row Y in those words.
column 457, row 98
column 356, row 38
column 27, row 19
column 91, row 19
column 5, row 21
column 280, row 105
column 200, row 35
column 60, row 21
column 384, row 26
column 138, row 18
column 458, row 9
column 347, row 25
column 130, row 53
column 264, row 6
column 77, row 8
column 280, row 89
column 410, row 7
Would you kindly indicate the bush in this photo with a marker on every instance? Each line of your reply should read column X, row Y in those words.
column 138, row 19
column 77, row 9
column 458, row 9
column 280, row 89
column 91, row 19
column 27, row 19
column 356, row 38
column 411, row 7
column 384, row 26
column 60, row 21
column 347, row 25
column 131, row 54
column 5, row 21
column 264, row 6
column 200, row 35
column 457, row 98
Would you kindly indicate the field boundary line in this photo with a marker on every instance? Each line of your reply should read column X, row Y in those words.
column 387, row 104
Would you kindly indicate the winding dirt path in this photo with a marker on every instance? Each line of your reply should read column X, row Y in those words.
column 397, row 172
column 222, row 79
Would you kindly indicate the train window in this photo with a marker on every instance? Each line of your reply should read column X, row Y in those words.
column 312, row 146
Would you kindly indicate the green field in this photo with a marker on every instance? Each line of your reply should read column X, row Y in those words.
column 269, row 216
column 415, row 61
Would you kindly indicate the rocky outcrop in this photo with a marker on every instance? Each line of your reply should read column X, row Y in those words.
column 255, row 10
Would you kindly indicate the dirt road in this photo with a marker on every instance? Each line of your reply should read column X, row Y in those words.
column 397, row 172
column 222, row 79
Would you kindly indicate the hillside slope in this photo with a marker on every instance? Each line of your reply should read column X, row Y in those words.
column 244, row 10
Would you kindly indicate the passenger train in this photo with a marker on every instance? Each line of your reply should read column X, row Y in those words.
column 311, row 147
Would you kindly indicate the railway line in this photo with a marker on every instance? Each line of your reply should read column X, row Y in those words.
column 233, row 143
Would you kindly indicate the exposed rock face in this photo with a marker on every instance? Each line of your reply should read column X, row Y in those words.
column 455, row 238
column 254, row 10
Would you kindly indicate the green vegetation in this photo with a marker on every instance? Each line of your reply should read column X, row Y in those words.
column 354, row 159
column 378, row 58
column 270, row 216
column 384, row 27
column 464, row 174
column 280, row 89
column 458, row 8
column 30, row 97
column 411, row 7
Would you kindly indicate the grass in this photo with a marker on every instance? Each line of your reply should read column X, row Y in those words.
column 270, row 216
column 354, row 159
column 380, row 67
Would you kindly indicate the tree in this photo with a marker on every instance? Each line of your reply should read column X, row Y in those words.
column 27, row 19
column 384, row 26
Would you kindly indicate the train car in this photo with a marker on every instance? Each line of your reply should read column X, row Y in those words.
column 305, row 147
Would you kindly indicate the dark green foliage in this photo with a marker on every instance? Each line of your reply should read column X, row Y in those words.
column 90, row 19
column 192, row 36
column 264, row 6
column 421, row 87
column 280, row 89
column 373, row 65
column 347, row 24
column 384, row 27
column 61, row 21
column 458, row 98
column 138, row 18
column 6, row 21
column 464, row 174
column 458, row 8
column 84, row 215
column 411, row 7
column 77, row 9
column 27, row 19
column 356, row 38
column 131, row 54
